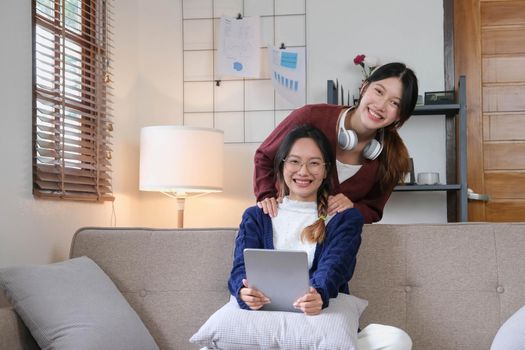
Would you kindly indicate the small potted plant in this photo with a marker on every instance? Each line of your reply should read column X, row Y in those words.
column 367, row 64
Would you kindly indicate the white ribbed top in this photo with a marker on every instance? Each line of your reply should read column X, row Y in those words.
column 346, row 171
column 292, row 217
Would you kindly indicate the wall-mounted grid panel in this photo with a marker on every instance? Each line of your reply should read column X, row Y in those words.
column 247, row 110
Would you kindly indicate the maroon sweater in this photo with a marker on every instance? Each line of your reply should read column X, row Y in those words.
column 363, row 188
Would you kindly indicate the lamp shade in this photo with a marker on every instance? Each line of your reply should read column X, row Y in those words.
column 181, row 159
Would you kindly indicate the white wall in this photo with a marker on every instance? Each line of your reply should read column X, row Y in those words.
column 410, row 31
column 31, row 231
column 148, row 91
column 391, row 31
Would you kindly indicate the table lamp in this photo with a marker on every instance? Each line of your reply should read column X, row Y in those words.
column 181, row 162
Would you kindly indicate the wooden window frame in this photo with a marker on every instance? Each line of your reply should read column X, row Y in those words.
column 72, row 120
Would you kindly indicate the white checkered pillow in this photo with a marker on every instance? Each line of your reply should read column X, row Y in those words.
column 334, row 328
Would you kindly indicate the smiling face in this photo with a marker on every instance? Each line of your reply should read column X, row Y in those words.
column 380, row 103
column 304, row 170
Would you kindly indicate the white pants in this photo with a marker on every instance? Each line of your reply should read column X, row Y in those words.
column 381, row 337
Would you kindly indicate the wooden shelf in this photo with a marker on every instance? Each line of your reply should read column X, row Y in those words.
column 405, row 188
column 436, row 109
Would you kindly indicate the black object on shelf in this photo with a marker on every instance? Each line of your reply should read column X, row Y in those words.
column 410, row 177
column 334, row 90
column 439, row 97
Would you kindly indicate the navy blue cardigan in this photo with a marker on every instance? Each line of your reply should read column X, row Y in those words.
column 334, row 259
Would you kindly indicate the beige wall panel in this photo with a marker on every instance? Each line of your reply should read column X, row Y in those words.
column 505, row 211
column 504, row 127
column 503, row 41
column 504, row 98
column 504, row 156
column 510, row 185
column 502, row 13
column 497, row 69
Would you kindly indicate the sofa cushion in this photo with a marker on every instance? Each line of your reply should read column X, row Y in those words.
column 234, row 328
column 73, row 305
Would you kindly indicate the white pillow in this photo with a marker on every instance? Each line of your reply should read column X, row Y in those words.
column 511, row 335
column 74, row 305
column 334, row 328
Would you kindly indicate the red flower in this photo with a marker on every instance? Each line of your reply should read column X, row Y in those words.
column 359, row 60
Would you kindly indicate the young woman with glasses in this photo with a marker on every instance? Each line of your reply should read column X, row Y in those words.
column 371, row 158
column 303, row 166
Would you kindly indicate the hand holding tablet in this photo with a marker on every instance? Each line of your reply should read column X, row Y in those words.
column 280, row 275
column 254, row 298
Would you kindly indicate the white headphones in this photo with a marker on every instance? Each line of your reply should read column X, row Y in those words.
column 347, row 140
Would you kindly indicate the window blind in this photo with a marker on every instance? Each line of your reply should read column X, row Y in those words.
column 72, row 121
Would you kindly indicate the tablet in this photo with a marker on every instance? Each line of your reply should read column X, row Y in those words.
column 282, row 275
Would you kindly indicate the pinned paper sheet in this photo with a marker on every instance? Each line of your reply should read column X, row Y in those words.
column 287, row 68
column 239, row 52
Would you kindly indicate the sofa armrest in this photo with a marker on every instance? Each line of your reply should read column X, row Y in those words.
column 13, row 333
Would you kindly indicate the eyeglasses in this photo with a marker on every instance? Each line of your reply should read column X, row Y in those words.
column 313, row 166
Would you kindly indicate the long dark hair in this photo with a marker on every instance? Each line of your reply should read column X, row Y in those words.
column 314, row 233
column 394, row 159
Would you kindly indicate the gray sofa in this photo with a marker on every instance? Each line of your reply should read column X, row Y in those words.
column 450, row 286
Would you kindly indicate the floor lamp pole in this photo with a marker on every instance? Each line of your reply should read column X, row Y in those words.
column 180, row 212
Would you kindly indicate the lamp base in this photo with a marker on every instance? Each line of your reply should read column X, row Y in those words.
column 181, row 197
column 180, row 212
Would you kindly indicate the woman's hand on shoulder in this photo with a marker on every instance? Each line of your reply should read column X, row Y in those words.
column 252, row 297
column 311, row 303
column 338, row 203
column 269, row 205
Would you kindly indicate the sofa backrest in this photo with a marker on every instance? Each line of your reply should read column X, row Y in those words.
column 450, row 286
column 174, row 279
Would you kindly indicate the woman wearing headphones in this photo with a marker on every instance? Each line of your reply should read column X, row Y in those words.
column 371, row 158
